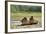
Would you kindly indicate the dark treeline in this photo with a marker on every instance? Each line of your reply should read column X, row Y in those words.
column 25, row 8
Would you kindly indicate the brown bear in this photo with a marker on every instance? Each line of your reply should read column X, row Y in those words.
column 32, row 21
column 24, row 21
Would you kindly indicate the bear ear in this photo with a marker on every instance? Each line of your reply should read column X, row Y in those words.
column 24, row 17
column 31, row 16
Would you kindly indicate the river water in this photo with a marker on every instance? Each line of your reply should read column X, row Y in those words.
column 15, row 24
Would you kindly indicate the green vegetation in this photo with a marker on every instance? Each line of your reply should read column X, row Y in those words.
column 25, row 8
column 20, row 15
column 19, row 11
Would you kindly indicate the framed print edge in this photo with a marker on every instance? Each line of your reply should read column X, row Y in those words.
column 6, row 16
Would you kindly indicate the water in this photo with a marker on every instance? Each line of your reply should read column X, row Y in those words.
column 15, row 24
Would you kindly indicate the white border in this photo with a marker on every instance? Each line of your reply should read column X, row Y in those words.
column 18, row 30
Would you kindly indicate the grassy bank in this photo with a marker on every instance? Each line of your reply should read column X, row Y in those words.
column 20, row 15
